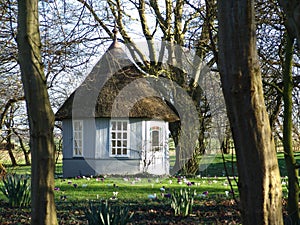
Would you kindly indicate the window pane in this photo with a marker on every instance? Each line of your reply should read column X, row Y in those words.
column 124, row 125
column 119, row 126
column 124, row 151
column 119, row 136
column 124, row 135
column 113, row 125
column 124, row 143
column 113, row 135
column 77, row 125
column 77, row 135
column 119, row 151
column 119, row 143
column 155, row 138
column 113, row 151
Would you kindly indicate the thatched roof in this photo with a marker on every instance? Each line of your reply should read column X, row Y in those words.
column 116, row 88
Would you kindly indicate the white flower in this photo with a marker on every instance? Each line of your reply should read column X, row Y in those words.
column 152, row 196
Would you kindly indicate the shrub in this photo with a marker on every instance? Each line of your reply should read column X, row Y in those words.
column 107, row 214
column 17, row 189
column 182, row 201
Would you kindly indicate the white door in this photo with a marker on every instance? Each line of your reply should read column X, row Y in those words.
column 155, row 155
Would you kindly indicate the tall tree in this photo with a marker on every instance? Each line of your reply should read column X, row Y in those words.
column 259, row 180
column 287, row 127
column 291, row 9
column 40, row 114
column 290, row 161
column 175, row 24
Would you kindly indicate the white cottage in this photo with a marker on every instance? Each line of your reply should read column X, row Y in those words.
column 115, row 122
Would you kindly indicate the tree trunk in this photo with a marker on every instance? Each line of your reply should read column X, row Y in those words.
column 25, row 152
column 40, row 115
column 291, row 9
column 259, row 179
column 2, row 171
column 10, row 147
column 292, row 170
column 225, row 143
column 175, row 133
column 191, row 166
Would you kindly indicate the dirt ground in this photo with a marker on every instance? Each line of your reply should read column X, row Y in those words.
column 208, row 212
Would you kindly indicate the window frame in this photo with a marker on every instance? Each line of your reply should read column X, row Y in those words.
column 117, row 135
column 79, row 137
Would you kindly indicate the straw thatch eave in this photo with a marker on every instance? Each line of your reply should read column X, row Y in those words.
column 125, row 93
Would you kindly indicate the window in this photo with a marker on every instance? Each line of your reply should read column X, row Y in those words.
column 119, row 138
column 77, row 138
column 155, row 133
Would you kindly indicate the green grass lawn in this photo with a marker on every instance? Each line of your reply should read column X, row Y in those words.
column 72, row 195
column 134, row 188
column 212, row 179
column 216, row 168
